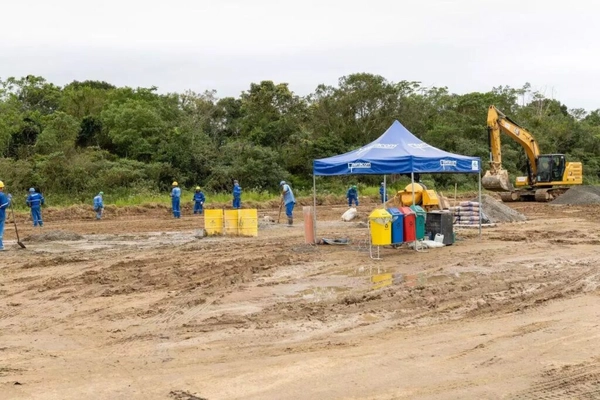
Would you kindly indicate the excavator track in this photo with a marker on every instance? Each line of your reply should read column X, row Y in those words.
column 543, row 195
column 537, row 195
column 508, row 197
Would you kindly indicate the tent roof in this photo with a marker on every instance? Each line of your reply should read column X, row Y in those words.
column 397, row 151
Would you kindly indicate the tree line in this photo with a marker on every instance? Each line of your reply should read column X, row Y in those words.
column 89, row 136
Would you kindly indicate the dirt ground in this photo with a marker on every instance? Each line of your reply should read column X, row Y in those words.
column 143, row 308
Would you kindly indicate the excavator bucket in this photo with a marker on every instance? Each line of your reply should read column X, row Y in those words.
column 497, row 182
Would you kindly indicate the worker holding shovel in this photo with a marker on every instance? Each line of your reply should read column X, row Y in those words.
column 287, row 199
column 4, row 204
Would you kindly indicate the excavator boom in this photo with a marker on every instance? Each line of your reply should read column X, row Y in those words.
column 496, row 178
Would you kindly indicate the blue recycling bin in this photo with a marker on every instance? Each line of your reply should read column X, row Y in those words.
column 397, row 225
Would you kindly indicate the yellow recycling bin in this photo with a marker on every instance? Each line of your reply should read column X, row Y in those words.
column 380, row 225
column 213, row 222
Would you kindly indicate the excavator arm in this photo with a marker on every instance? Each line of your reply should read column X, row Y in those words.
column 496, row 178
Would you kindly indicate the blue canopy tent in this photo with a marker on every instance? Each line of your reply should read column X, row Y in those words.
column 397, row 151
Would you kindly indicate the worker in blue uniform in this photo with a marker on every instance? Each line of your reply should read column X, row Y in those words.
column 237, row 195
column 383, row 192
column 199, row 199
column 288, row 199
column 176, row 200
column 35, row 201
column 99, row 205
column 352, row 195
column 4, row 204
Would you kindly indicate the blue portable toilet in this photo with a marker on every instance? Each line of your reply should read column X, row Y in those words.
column 397, row 225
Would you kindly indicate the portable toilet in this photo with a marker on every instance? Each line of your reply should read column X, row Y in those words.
column 421, row 216
column 410, row 232
column 397, row 225
column 380, row 225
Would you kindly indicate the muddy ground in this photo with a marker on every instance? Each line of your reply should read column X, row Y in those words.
column 142, row 308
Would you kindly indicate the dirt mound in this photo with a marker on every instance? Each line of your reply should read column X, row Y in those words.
column 52, row 236
column 183, row 395
column 497, row 212
column 579, row 195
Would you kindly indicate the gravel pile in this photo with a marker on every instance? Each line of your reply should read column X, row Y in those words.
column 496, row 211
column 52, row 236
column 579, row 195
column 266, row 225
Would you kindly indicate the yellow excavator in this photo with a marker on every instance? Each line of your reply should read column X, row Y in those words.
column 548, row 175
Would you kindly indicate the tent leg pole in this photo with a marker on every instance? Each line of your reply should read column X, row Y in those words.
column 315, row 208
column 412, row 181
column 480, row 205
column 384, row 198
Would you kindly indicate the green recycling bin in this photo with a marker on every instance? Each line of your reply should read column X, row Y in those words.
column 421, row 215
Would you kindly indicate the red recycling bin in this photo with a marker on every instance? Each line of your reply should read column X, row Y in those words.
column 410, row 224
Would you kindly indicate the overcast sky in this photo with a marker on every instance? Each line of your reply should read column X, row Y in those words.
column 466, row 45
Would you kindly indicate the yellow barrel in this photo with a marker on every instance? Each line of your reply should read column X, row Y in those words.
column 380, row 225
column 248, row 222
column 213, row 222
column 232, row 218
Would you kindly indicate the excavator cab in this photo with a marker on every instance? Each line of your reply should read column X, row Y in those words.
column 550, row 168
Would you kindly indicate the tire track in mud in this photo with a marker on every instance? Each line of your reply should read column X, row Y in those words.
column 47, row 301
column 48, row 280
column 574, row 381
column 219, row 278
column 511, row 289
column 168, row 318
column 430, row 304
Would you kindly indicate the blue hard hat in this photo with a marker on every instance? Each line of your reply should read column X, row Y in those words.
column 31, row 190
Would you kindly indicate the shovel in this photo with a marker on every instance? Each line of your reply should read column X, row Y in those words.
column 280, row 207
column 15, row 222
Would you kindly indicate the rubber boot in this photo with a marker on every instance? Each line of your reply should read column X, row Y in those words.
column 290, row 221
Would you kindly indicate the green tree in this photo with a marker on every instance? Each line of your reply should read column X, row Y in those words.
column 59, row 134
column 271, row 114
column 134, row 128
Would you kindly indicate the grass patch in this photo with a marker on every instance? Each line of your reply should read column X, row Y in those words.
column 123, row 198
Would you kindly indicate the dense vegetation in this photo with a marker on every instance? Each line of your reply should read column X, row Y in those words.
column 89, row 136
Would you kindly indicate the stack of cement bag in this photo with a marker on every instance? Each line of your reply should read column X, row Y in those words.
column 467, row 213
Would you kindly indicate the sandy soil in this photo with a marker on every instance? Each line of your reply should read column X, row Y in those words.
column 142, row 308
